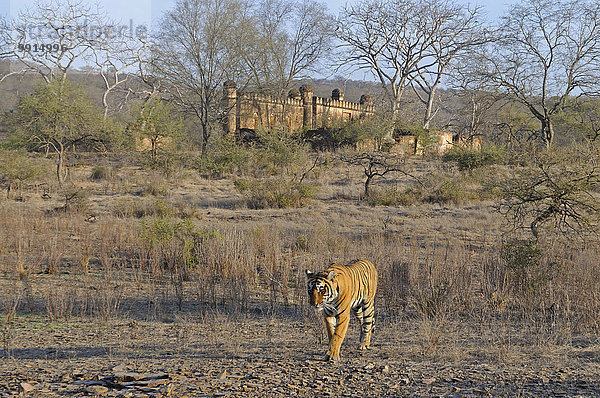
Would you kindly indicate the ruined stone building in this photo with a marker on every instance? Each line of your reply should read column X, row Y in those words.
column 301, row 109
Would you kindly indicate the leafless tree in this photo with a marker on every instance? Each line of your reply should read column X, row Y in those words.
column 455, row 30
column 286, row 40
column 52, row 35
column 377, row 164
column 118, row 61
column 556, row 189
column 195, row 54
column 479, row 101
column 407, row 43
column 547, row 51
column 380, row 37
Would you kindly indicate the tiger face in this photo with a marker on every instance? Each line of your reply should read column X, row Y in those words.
column 321, row 289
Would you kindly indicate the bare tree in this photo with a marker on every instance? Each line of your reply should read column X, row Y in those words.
column 118, row 60
column 547, row 51
column 52, row 35
column 478, row 102
column 377, row 164
column 288, row 40
column 382, row 38
column 407, row 43
column 455, row 30
column 195, row 54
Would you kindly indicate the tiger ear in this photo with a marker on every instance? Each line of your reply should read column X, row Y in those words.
column 309, row 273
column 331, row 275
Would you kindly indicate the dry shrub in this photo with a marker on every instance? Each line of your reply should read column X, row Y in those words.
column 394, row 196
column 275, row 193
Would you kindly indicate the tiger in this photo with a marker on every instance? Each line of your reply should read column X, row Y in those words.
column 338, row 290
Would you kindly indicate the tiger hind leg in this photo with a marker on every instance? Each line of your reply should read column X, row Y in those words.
column 366, row 326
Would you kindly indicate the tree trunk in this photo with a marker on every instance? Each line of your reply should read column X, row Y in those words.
column 367, row 182
column 60, row 173
column 429, row 109
column 547, row 132
column 205, row 136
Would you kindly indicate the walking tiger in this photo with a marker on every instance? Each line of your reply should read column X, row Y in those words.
column 337, row 291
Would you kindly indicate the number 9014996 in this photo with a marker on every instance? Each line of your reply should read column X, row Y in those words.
column 42, row 47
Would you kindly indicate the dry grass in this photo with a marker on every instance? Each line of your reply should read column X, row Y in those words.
column 190, row 248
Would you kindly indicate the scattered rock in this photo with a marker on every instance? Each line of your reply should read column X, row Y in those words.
column 24, row 388
column 96, row 389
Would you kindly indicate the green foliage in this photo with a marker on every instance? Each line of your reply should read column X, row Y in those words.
column 580, row 119
column 273, row 153
column 394, row 197
column 100, row 173
column 17, row 167
column 177, row 242
column 55, row 118
column 425, row 138
column 369, row 130
column 142, row 208
column 58, row 114
column 158, row 130
column 468, row 159
column 275, row 193
column 155, row 187
column 113, row 136
column 523, row 261
column 76, row 200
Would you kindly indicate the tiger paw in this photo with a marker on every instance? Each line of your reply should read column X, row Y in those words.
column 363, row 347
column 331, row 358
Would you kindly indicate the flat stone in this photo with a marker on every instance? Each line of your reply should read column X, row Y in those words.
column 96, row 389
column 25, row 387
column 127, row 376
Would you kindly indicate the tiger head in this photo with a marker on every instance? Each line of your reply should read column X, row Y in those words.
column 321, row 288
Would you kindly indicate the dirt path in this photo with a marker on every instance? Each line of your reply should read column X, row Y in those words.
column 273, row 357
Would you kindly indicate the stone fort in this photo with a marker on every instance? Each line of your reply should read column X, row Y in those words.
column 303, row 110
column 300, row 110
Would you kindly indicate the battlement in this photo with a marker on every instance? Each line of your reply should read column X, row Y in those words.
column 301, row 109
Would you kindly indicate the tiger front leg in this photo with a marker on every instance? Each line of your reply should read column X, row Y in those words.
column 330, row 324
column 333, row 354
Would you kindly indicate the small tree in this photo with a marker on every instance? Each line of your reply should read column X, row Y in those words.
column 376, row 164
column 157, row 125
column 58, row 116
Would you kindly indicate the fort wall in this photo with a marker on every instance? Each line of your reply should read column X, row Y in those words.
column 301, row 109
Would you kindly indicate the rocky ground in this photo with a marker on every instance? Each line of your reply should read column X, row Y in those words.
column 274, row 356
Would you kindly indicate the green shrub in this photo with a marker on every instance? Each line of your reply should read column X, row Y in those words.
column 468, row 159
column 275, row 193
column 273, row 153
column 76, row 200
column 522, row 258
column 424, row 138
column 176, row 242
column 155, row 187
column 17, row 167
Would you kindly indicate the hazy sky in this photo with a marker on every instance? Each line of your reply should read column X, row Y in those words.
column 144, row 11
